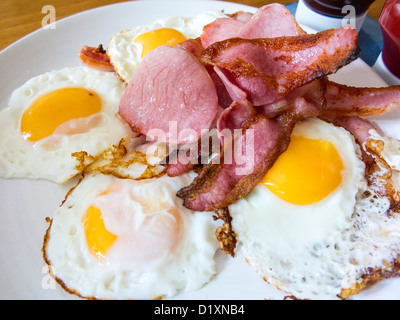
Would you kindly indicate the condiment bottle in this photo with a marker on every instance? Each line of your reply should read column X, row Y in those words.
column 326, row 14
column 390, row 25
column 388, row 63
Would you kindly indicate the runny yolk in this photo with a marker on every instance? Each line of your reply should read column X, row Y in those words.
column 307, row 172
column 153, row 39
column 53, row 109
column 139, row 227
column 98, row 238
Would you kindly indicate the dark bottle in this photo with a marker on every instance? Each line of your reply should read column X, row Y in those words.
column 390, row 25
column 333, row 8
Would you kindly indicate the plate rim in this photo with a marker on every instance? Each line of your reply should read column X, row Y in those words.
column 89, row 11
column 104, row 7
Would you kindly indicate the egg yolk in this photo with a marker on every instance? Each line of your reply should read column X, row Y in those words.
column 140, row 228
column 308, row 171
column 53, row 109
column 153, row 39
column 98, row 238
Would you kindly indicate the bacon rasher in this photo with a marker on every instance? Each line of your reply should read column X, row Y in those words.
column 346, row 101
column 268, row 69
column 219, row 185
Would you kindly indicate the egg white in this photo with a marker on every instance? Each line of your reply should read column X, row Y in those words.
column 119, row 276
column 316, row 251
column 125, row 54
column 20, row 158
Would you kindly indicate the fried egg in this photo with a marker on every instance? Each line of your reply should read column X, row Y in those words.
column 127, row 48
column 313, row 227
column 56, row 114
column 130, row 239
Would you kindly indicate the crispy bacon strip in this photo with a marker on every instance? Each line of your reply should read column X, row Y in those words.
column 219, row 184
column 268, row 69
column 346, row 101
column 96, row 58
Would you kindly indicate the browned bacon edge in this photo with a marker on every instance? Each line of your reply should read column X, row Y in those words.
column 217, row 186
column 206, row 193
column 264, row 84
column 330, row 64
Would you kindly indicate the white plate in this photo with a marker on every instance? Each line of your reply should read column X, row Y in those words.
column 24, row 204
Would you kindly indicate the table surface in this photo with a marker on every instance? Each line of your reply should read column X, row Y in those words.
column 20, row 17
